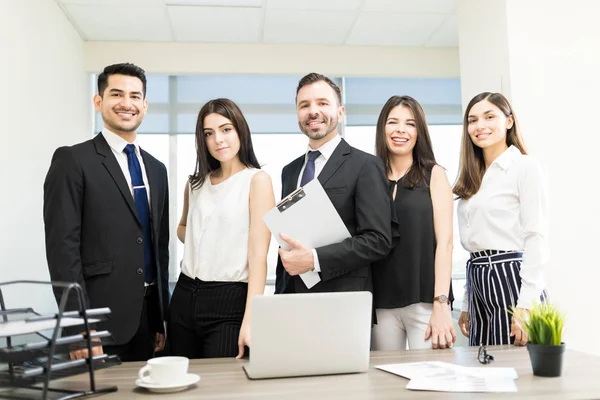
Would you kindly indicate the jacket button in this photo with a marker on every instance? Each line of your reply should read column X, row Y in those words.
column 139, row 271
column 139, row 240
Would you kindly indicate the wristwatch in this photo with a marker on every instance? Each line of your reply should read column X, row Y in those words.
column 442, row 299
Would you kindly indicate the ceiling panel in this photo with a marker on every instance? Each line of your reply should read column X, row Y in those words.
column 446, row 35
column 430, row 23
column 216, row 3
column 325, row 5
column 411, row 6
column 125, row 22
column 307, row 27
column 384, row 29
column 215, row 24
column 114, row 2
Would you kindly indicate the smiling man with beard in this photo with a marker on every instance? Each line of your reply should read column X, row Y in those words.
column 106, row 216
column 356, row 184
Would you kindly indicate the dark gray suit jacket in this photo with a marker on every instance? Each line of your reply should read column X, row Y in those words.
column 356, row 184
column 93, row 234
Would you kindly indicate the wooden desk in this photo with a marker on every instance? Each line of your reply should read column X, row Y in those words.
column 224, row 379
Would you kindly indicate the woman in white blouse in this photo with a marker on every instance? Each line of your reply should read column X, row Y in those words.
column 503, row 223
column 225, row 239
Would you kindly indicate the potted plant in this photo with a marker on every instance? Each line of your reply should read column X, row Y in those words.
column 544, row 324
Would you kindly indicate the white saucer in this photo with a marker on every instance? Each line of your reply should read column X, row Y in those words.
column 190, row 379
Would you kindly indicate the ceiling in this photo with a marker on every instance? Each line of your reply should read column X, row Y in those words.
column 406, row 23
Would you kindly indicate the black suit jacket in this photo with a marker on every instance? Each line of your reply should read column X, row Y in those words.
column 356, row 184
column 93, row 232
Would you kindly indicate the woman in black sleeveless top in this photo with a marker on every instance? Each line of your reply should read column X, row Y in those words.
column 411, row 286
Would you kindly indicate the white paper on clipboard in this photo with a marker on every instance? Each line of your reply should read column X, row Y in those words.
column 308, row 216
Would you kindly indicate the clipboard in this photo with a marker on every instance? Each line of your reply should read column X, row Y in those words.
column 308, row 216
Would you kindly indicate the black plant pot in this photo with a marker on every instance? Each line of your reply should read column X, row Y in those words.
column 546, row 360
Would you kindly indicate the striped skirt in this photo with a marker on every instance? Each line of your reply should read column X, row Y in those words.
column 493, row 286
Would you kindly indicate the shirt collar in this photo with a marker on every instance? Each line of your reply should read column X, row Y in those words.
column 508, row 157
column 117, row 143
column 327, row 149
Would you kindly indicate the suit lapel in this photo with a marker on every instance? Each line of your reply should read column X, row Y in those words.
column 335, row 162
column 115, row 171
column 153, row 174
column 291, row 180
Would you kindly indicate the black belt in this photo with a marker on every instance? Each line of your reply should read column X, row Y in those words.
column 196, row 284
column 489, row 257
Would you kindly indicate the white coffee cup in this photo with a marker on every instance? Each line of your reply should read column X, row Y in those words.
column 165, row 371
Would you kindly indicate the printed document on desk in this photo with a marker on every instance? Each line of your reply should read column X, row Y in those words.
column 308, row 216
column 444, row 377
column 433, row 369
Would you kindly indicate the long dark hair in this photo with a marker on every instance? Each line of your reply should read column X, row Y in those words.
column 206, row 163
column 472, row 164
column 423, row 158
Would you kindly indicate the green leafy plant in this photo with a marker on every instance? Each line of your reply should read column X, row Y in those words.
column 544, row 324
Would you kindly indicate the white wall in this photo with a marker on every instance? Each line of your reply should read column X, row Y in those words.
column 555, row 84
column 483, row 48
column 268, row 59
column 544, row 55
column 45, row 103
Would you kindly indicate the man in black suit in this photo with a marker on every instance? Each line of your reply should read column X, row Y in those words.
column 356, row 184
column 106, row 215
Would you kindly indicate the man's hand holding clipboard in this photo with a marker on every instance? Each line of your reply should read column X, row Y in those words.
column 302, row 222
column 299, row 259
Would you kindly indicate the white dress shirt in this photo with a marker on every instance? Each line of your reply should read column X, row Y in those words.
column 510, row 212
column 117, row 145
column 326, row 151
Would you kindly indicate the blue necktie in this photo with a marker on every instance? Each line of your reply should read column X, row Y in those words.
column 309, row 171
column 140, row 196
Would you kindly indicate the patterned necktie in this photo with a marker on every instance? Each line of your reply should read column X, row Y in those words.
column 309, row 171
column 140, row 196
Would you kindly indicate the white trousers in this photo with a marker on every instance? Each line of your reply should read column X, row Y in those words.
column 397, row 327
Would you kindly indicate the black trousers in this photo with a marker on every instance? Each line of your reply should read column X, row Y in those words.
column 141, row 345
column 206, row 317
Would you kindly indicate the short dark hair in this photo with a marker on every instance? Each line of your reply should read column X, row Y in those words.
column 121, row 69
column 314, row 77
column 205, row 162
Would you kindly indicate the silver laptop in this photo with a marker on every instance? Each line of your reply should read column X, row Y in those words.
column 309, row 334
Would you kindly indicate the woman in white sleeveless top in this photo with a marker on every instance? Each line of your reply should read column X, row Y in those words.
column 225, row 239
